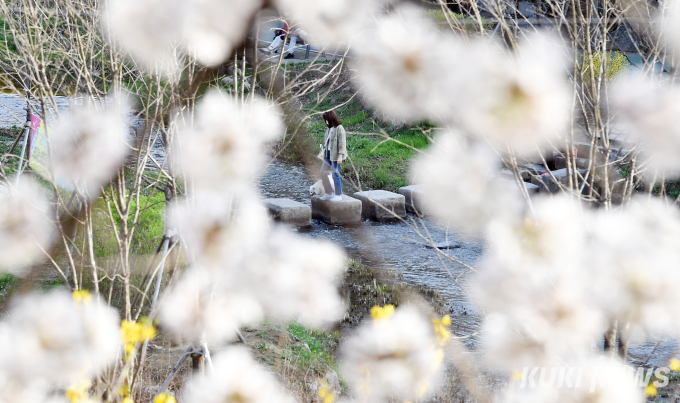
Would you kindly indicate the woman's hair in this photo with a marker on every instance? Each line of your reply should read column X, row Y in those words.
column 332, row 119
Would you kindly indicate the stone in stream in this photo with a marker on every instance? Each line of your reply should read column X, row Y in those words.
column 617, row 154
column 535, row 169
column 444, row 245
column 582, row 149
column 345, row 211
column 546, row 183
column 527, row 9
column 509, row 175
column 289, row 212
column 412, row 195
column 531, row 188
column 381, row 205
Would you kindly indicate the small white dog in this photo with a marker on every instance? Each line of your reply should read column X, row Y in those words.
column 317, row 189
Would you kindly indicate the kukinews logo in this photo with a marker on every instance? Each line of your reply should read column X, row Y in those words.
column 602, row 374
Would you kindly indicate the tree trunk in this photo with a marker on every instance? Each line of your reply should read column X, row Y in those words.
column 624, row 337
column 610, row 337
column 197, row 364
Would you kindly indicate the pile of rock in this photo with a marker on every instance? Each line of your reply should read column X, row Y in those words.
column 549, row 172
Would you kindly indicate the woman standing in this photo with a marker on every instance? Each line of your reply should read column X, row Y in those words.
column 334, row 151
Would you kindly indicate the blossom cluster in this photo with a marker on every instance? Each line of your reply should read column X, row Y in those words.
column 56, row 342
column 410, row 70
column 153, row 30
column 394, row 356
column 556, row 275
column 88, row 146
column 243, row 268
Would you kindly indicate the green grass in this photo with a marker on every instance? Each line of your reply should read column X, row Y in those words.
column 6, row 38
column 671, row 188
column 470, row 22
column 48, row 285
column 7, row 283
column 380, row 166
column 7, row 137
column 616, row 65
column 148, row 232
column 321, row 346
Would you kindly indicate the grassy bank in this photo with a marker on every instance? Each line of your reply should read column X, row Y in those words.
column 304, row 357
column 377, row 163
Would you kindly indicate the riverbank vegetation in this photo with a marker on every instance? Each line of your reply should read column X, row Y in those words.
column 380, row 149
column 379, row 152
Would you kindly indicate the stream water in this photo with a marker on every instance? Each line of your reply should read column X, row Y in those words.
column 397, row 247
column 13, row 113
column 392, row 246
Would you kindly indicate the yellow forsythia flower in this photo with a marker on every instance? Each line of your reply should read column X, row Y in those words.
column 650, row 390
column 446, row 320
column 440, row 330
column 78, row 393
column 438, row 359
column 381, row 313
column 164, row 398
column 124, row 392
column 132, row 333
column 675, row 365
column 81, row 296
column 325, row 392
column 517, row 376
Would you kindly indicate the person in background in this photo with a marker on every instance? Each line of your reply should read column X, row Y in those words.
column 334, row 152
column 294, row 34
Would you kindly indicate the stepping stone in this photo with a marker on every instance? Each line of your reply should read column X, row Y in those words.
column 509, row 175
column 345, row 211
column 527, row 9
column 289, row 212
column 531, row 188
column 535, row 169
column 614, row 153
column 412, row 195
column 582, row 149
column 619, row 140
column 547, row 184
column 381, row 205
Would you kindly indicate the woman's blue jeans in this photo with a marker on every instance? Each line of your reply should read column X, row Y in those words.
column 333, row 168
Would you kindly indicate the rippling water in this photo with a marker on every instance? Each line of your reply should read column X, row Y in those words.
column 13, row 113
